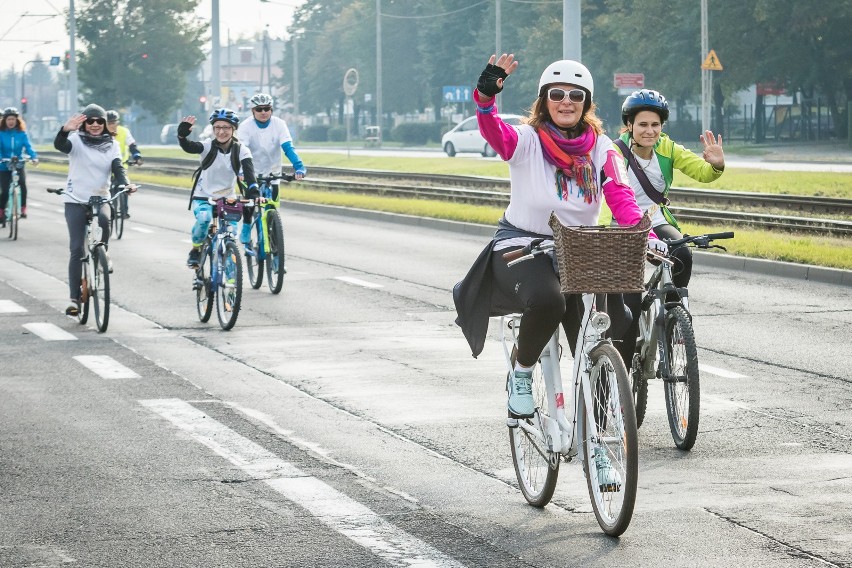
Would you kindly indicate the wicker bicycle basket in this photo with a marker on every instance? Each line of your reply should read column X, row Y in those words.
column 601, row 259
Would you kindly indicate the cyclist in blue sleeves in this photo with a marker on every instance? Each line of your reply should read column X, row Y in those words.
column 266, row 136
column 222, row 159
column 13, row 142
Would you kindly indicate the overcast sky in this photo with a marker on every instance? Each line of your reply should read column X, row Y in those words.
column 29, row 28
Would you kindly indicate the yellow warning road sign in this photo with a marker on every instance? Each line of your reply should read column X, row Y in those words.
column 712, row 62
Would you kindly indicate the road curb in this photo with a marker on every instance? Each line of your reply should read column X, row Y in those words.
column 703, row 259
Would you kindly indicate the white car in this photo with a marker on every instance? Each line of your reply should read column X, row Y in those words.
column 465, row 137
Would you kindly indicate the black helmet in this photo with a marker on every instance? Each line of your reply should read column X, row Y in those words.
column 10, row 111
column 112, row 116
column 225, row 114
column 94, row 111
column 646, row 99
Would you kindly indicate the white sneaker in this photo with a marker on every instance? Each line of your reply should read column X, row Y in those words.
column 609, row 480
column 521, row 403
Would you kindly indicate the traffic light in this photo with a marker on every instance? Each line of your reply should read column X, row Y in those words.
column 23, row 105
column 66, row 61
column 203, row 100
column 144, row 56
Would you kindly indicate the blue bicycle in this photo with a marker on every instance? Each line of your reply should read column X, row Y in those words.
column 267, row 245
column 219, row 275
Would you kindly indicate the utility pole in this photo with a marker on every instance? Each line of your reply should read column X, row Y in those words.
column 215, row 63
column 381, row 134
column 498, row 49
column 296, row 76
column 706, row 74
column 72, row 64
column 571, row 31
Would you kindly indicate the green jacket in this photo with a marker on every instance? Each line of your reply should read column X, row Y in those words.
column 673, row 156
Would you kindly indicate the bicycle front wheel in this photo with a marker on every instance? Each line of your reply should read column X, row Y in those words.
column 275, row 258
column 683, row 396
column 14, row 212
column 85, row 293
column 230, row 290
column 254, row 262
column 536, row 466
column 100, row 288
column 609, row 438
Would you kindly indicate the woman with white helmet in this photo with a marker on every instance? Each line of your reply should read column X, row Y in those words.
column 559, row 160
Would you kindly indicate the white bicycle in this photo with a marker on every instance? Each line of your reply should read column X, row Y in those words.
column 596, row 423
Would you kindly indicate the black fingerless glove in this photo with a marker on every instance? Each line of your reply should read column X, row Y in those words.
column 184, row 128
column 487, row 84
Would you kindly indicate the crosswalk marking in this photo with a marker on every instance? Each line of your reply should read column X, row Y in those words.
column 720, row 372
column 10, row 307
column 106, row 367
column 142, row 230
column 49, row 332
column 330, row 506
column 358, row 282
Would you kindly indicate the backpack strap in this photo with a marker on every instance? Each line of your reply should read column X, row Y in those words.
column 649, row 189
column 235, row 163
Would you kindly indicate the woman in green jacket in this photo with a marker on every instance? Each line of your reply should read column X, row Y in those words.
column 647, row 149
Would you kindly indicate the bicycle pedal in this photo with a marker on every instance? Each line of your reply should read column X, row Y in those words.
column 512, row 422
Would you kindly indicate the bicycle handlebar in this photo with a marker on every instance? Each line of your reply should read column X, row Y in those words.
column 272, row 177
column 61, row 191
column 700, row 241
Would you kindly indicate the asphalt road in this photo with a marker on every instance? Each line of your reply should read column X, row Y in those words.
column 344, row 423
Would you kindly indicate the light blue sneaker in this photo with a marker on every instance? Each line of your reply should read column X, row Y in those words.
column 609, row 480
column 521, row 403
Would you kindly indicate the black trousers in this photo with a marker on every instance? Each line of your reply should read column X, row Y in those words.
column 75, row 218
column 6, row 184
column 535, row 285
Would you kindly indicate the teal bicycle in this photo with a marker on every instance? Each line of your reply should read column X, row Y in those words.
column 266, row 249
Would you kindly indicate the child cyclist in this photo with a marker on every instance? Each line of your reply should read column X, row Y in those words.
column 219, row 171
column 266, row 136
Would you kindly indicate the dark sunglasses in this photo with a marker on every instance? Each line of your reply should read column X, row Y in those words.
column 96, row 121
column 263, row 108
column 556, row 95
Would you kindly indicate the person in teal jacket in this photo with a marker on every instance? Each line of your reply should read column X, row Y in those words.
column 644, row 113
column 13, row 142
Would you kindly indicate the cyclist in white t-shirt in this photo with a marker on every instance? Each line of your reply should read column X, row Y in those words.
column 220, row 178
column 266, row 136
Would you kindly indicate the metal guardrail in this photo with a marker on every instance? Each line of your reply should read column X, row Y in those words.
column 495, row 192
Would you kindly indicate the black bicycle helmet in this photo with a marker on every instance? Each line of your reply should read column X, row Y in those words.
column 112, row 116
column 646, row 99
column 10, row 111
column 225, row 114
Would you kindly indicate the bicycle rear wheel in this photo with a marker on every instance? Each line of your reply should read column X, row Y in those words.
column 14, row 214
column 536, row 467
column 254, row 262
column 275, row 258
column 230, row 291
column 100, row 288
column 202, row 286
column 610, row 443
column 120, row 208
column 683, row 396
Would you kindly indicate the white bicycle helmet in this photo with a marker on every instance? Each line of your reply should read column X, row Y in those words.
column 567, row 71
column 260, row 99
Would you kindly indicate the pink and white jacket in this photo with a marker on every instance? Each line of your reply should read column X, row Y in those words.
column 534, row 191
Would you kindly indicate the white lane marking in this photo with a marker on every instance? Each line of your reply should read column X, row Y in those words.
column 358, row 282
column 106, row 367
column 35, row 204
column 142, row 230
column 10, row 307
column 49, row 332
column 60, row 211
column 720, row 372
column 330, row 506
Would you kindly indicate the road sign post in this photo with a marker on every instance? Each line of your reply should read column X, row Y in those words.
column 626, row 83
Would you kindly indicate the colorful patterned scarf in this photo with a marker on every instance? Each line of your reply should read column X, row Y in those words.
column 572, row 159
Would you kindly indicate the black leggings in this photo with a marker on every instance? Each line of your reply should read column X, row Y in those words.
column 681, row 274
column 75, row 218
column 6, row 183
column 535, row 285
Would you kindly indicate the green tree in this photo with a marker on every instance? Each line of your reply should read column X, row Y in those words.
column 138, row 51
